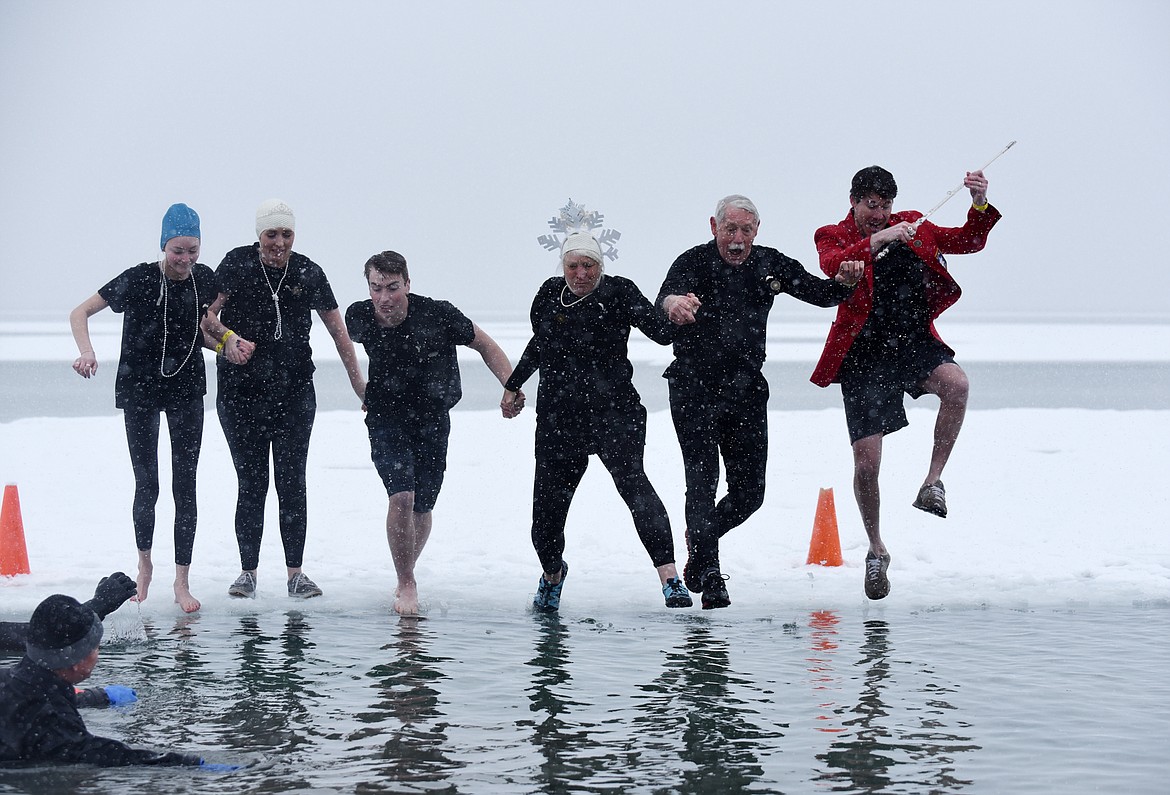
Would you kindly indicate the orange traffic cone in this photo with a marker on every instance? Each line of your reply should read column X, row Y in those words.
column 13, row 554
column 825, row 547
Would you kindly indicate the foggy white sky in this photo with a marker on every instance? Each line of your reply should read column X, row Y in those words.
column 451, row 132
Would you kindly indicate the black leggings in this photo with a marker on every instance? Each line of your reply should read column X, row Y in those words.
column 255, row 427
column 733, row 423
column 185, row 426
column 557, row 478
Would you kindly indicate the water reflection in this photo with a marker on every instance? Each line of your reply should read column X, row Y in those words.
column 267, row 697
column 565, row 742
column 825, row 679
column 173, row 675
column 406, row 719
column 900, row 738
column 720, row 743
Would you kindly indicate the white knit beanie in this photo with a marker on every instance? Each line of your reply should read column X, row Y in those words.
column 274, row 214
column 582, row 243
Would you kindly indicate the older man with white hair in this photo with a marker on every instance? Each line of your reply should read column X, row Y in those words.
column 719, row 294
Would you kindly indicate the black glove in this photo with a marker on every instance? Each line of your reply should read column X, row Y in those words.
column 111, row 592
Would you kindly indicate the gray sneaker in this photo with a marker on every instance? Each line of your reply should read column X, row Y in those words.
column 932, row 498
column 301, row 587
column 244, row 586
column 877, row 584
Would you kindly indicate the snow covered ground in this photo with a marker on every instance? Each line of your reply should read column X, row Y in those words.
column 1047, row 507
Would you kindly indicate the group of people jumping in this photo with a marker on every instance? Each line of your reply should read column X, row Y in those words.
column 885, row 271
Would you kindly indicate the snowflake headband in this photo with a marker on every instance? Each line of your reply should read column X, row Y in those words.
column 574, row 218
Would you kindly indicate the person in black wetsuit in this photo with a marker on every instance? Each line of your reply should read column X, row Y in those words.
column 110, row 594
column 586, row 404
column 161, row 370
column 720, row 294
column 39, row 721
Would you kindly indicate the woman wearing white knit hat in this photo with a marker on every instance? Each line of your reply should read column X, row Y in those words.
column 586, row 404
column 267, row 404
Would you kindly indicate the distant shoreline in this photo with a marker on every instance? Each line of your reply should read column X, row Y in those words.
column 52, row 389
column 789, row 340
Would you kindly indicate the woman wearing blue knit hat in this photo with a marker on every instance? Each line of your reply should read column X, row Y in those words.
column 161, row 369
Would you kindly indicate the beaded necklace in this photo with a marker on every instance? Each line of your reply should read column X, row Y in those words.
column 279, row 333
column 165, row 291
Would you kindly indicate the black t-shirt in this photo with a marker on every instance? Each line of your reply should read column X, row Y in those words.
column 900, row 314
column 155, row 308
column 580, row 345
column 283, row 357
column 730, row 333
column 414, row 365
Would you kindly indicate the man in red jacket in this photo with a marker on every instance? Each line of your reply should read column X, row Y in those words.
column 883, row 343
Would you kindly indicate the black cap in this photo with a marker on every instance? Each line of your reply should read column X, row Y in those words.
column 62, row 632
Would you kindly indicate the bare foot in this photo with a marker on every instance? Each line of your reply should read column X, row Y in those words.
column 185, row 600
column 406, row 600
column 145, row 572
column 183, row 597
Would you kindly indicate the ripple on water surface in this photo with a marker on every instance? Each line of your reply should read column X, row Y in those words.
column 947, row 700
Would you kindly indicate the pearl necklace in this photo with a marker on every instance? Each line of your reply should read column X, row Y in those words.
column 565, row 289
column 279, row 333
column 164, row 288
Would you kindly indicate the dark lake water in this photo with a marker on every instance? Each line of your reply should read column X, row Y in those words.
column 466, row 701
column 52, row 389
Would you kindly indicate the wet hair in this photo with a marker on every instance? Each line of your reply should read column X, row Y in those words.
column 737, row 201
column 875, row 180
column 390, row 263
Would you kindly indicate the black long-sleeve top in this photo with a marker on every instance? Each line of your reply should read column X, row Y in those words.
column 730, row 333
column 39, row 722
column 14, row 633
column 580, row 346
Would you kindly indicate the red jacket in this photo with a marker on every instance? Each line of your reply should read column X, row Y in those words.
column 840, row 242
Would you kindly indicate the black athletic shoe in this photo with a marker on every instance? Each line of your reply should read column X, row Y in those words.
column 714, row 590
column 877, row 584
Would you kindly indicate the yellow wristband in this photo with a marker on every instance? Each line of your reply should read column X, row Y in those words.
column 219, row 349
column 979, row 207
column 223, row 340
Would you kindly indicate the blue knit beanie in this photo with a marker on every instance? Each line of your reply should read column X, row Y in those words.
column 180, row 221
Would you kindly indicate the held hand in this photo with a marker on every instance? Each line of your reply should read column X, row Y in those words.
column 850, row 272
column 681, row 309
column 86, row 365
column 512, row 403
column 246, row 347
column 111, row 593
column 977, row 184
column 120, row 695
column 238, row 350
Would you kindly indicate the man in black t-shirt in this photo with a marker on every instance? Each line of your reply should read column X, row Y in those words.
column 413, row 384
